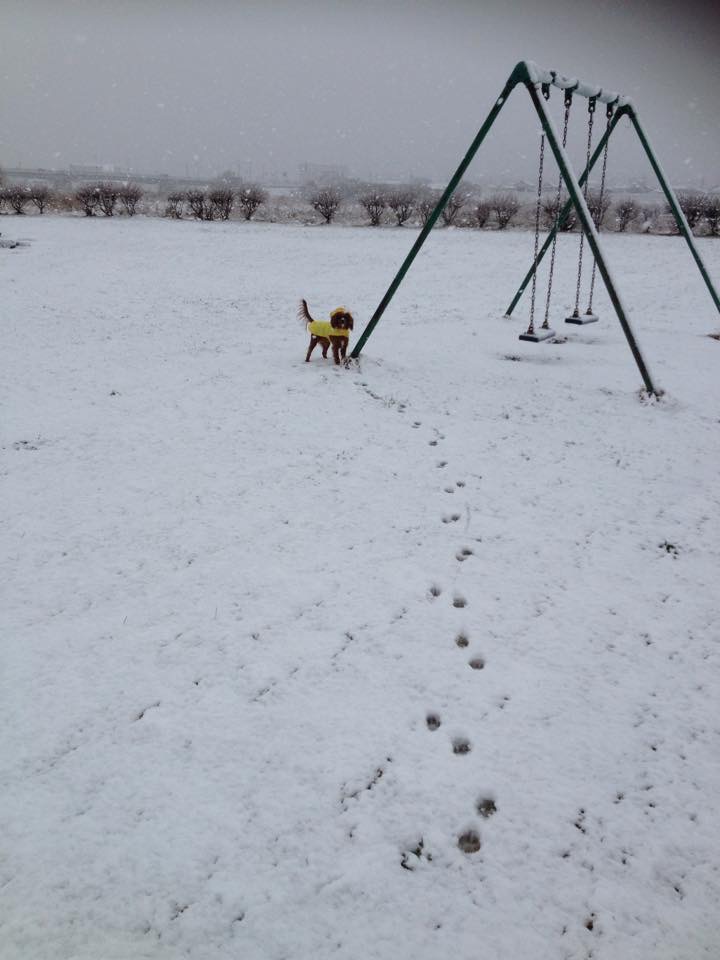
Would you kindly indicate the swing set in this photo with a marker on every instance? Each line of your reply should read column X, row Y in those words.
column 538, row 83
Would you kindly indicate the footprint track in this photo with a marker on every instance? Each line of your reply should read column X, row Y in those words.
column 468, row 840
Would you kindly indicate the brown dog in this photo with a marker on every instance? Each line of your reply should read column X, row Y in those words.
column 334, row 333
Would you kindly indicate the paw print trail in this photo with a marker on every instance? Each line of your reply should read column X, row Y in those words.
column 468, row 839
column 447, row 675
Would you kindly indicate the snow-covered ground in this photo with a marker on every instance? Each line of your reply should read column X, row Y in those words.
column 275, row 634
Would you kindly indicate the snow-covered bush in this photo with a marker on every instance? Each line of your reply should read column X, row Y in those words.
column 598, row 206
column 626, row 210
column 712, row 213
column 551, row 207
column 130, row 194
column 505, row 207
column 250, row 197
column 693, row 206
column 107, row 197
column 427, row 202
column 326, row 201
column 481, row 212
column 452, row 208
column 200, row 205
column 174, row 205
column 221, row 200
column 17, row 196
column 373, row 202
column 87, row 196
column 41, row 195
column 402, row 202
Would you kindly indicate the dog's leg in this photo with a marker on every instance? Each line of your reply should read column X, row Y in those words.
column 343, row 347
column 325, row 345
column 335, row 341
column 313, row 344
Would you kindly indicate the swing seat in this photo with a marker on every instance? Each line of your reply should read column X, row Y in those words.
column 582, row 318
column 538, row 336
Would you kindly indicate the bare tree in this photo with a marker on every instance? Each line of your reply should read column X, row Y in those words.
column 18, row 196
column 107, row 197
column 250, row 197
column 402, row 203
column 174, row 205
column 374, row 203
column 693, row 206
column 88, row 198
column 199, row 203
column 326, row 201
column 551, row 208
column 427, row 202
column 626, row 210
column 41, row 195
column 712, row 213
column 505, row 207
column 130, row 194
column 452, row 208
column 221, row 200
column 598, row 205
column 481, row 212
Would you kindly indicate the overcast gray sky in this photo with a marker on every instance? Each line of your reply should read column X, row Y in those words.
column 386, row 88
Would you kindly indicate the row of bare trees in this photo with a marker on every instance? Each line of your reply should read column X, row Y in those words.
column 470, row 208
column 398, row 205
column 466, row 207
column 107, row 197
column 702, row 210
column 17, row 197
column 215, row 203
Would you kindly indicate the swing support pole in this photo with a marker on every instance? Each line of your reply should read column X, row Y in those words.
column 578, row 201
column 673, row 203
column 514, row 79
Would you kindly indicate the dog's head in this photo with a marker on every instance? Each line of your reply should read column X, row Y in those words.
column 341, row 319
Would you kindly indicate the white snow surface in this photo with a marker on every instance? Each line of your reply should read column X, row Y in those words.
column 233, row 585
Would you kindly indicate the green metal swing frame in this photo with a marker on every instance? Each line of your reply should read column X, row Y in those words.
column 535, row 80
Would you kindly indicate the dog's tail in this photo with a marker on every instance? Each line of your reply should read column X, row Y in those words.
column 303, row 313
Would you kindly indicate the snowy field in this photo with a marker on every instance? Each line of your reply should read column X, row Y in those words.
column 276, row 635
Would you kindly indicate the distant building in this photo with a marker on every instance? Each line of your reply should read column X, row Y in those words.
column 92, row 170
column 322, row 172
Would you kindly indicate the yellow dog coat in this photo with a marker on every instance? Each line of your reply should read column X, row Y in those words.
column 323, row 328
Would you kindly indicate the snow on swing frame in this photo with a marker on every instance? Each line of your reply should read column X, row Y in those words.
column 538, row 82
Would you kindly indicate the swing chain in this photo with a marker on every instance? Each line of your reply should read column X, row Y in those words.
column 597, row 218
column 546, row 321
column 531, row 325
column 591, row 111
